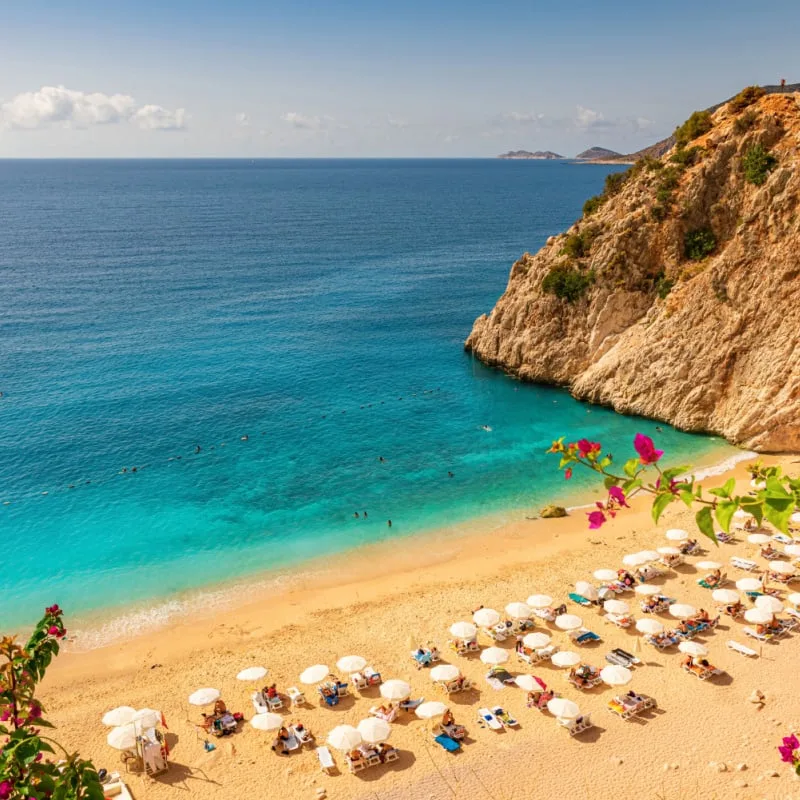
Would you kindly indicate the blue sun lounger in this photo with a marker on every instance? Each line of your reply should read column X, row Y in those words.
column 451, row 745
column 579, row 599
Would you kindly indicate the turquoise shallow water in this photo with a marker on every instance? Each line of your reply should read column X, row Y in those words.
column 317, row 308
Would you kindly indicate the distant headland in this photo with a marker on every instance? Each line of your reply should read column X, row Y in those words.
column 547, row 155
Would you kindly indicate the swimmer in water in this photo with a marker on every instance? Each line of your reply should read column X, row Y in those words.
column 365, row 515
column 197, row 449
column 659, row 429
column 356, row 515
column 245, row 438
column 449, row 474
column 389, row 523
column 382, row 459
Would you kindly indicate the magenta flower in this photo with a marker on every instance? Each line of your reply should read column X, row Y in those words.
column 792, row 741
column 787, row 755
column 596, row 520
column 587, row 448
column 617, row 495
column 54, row 630
column 35, row 712
column 646, row 449
column 53, row 610
column 568, row 473
column 5, row 790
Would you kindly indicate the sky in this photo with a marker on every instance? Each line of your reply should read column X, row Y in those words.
column 369, row 78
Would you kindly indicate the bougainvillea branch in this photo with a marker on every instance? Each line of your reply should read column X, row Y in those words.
column 775, row 498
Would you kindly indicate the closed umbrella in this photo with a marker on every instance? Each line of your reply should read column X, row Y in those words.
column 351, row 664
column 568, row 622
column 463, row 630
column 315, row 674
column 518, row 610
column 540, row 601
column 616, row 676
column 267, row 722
column 536, row 640
column 494, row 655
column 781, row 567
column 758, row 538
column 122, row 738
column 758, row 616
column 725, row 596
column 682, row 610
column 563, row 709
column 395, row 689
column 694, row 649
column 677, row 535
column 768, row 603
column 252, row 674
column 616, row 607
column 650, row 626
column 486, row 617
column 708, row 565
column 748, row 585
column 344, row 737
column 433, row 709
column 647, row 589
column 605, row 575
column 445, row 672
column 585, row 589
column 204, row 697
column 374, row 730
column 118, row 716
column 565, row 658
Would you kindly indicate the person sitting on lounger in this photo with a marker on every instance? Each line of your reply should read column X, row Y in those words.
column 383, row 749
column 279, row 747
column 734, row 609
column 220, row 708
column 578, row 677
column 702, row 616
column 712, row 579
column 546, row 696
column 625, row 577
column 774, row 626
column 688, row 546
column 448, row 718
column 769, row 552
column 688, row 662
column 355, row 755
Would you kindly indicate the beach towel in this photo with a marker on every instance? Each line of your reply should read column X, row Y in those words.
column 494, row 682
column 451, row 745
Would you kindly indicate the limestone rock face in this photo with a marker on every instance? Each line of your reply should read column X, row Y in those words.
column 707, row 345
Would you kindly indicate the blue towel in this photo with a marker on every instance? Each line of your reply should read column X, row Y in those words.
column 451, row 745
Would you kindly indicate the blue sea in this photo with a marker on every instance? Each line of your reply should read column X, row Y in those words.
column 204, row 362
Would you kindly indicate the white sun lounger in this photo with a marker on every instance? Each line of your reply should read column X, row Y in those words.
column 325, row 759
column 741, row 649
column 117, row 788
column 744, row 563
column 258, row 703
column 754, row 634
column 576, row 726
column 296, row 697
column 487, row 719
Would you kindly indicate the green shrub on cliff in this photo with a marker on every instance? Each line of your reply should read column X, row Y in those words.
column 697, row 244
column 567, row 283
column 745, row 98
column 698, row 124
column 615, row 181
column 578, row 245
column 746, row 121
column 757, row 164
column 592, row 204
column 686, row 156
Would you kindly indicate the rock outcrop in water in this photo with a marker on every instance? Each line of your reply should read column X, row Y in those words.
column 677, row 295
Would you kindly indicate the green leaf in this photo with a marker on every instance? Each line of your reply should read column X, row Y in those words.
column 608, row 482
column 724, row 513
column 630, row 486
column 631, row 465
column 705, row 522
column 729, row 486
column 778, row 510
column 687, row 497
column 668, row 474
column 660, row 504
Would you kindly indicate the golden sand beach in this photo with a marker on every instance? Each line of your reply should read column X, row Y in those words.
column 705, row 739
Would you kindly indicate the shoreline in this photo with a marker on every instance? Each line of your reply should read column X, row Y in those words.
column 109, row 626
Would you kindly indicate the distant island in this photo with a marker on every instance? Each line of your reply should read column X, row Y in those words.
column 539, row 154
column 595, row 153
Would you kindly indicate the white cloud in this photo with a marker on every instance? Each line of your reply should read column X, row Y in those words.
column 57, row 106
column 524, row 117
column 158, row 118
column 302, row 121
column 587, row 118
column 453, row 137
column 643, row 124
column 242, row 119
column 393, row 122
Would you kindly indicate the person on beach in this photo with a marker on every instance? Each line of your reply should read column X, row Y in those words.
column 279, row 747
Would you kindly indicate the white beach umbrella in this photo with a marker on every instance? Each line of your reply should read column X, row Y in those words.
column 616, row 607
column 445, row 672
column 708, row 565
column 267, row 722
column 781, row 567
column 565, row 658
column 563, row 709
column 374, row 730
column 649, row 555
column 669, row 551
column 463, row 630
column 607, row 575
column 647, row 589
column 758, row 615
column 351, row 664
column 315, row 674
column 433, row 709
column 616, row 676
column 486, row 617
column 682, row 610
column 694, row 649
column 725, row 596
column 146, row 718
column 748, row 585
column 536, row 640
column 518, row 610
column 585, row 589
column 540, row 601
column 494, row 655
column 395, row 689
column 677, row 535
column 204, row 697
column 252, row 674
column 768, row 603
column 792, row 549
column 759, row 538
column 794, row 598
column 795, row 517
column 528, row 683
column 650, row 626
column 344, row 737
column 118, row 716
column 122, row 738
column 568, row 622
column 634, row 560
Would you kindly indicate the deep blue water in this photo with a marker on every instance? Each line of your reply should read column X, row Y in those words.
column 317, row 307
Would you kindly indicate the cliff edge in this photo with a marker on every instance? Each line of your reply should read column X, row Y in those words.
column 677, row 294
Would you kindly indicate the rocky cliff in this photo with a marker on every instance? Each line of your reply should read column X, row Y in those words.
column 677, row 294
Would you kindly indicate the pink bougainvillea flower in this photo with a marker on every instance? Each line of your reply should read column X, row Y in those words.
column 646, row 449
column 54, row 630
column 6, row 787
column 568, row 473
column 792, row 741
column 587, row 448
column 596, row 520
column 787, row 755
column 617, row 496
column 35, row 711
column 52, row 610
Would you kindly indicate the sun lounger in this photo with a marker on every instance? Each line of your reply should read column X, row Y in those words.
column 711, row 584
column 741, row 649
column 502, row 675
column 373, row 678
column 726, row 538
column 576, row 726
column 391, row 716
column 259, row 703
column 701, row 672
column 296, row 697
column 579, row 599
column 410, row 705
column 547, row 614
column 505, row 717
column 584, row 636
column 330, row 698
column 457, row 732
column 303, row 735
column 620, row 620
column 275, row 703
column 588, row 684
column 499, row 633
column 117, row 789
column 648, row 573
column 663, row 641
column 488, row 720
column 444, row 741
column 355, row 765
column 661, row 605
column 622, row 658
column 630, row 704
column 463, row 648
column 754, row 634
column 743, row 563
